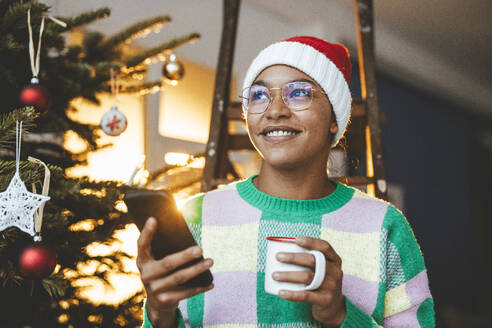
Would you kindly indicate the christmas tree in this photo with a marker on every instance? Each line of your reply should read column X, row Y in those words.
column 80, row 212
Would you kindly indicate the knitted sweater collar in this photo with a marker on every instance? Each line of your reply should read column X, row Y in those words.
column 248, row 191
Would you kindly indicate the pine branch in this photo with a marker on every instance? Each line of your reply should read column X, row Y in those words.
column 82, row 156
column 86, row 131
column 85, row 18
column 29, row 172
column 74, row 53
column 68, row 73
column 16, row 14
column 8, row 43
column 52, row 38
column 8, row 123
column 139, row 29
column 146, row 88
column 55, row 285
column 48, row 147
column 9, row 276
column 91, row 41
column 148, row 55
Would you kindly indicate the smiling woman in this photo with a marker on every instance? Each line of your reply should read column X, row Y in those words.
column 290, row 134
column 297, row 106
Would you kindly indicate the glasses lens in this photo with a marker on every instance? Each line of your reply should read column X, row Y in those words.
column 298, row 95
column 258, row 99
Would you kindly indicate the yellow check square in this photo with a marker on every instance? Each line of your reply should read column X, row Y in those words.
column 233, row 248
column 360, row 252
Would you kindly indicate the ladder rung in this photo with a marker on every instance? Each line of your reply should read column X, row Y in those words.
column 358, row 107
column 239, row 141
column 235, row 111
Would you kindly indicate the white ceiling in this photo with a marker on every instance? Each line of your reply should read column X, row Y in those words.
column 442, row 46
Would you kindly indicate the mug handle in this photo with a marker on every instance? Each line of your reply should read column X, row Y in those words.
column 320, row 270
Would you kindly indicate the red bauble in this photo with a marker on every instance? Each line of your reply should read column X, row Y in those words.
column 37, row 261
column 37, row 96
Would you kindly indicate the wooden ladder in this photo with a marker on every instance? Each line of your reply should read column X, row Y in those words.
column 365, row 111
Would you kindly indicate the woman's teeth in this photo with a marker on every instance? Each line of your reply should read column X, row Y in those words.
column 279, row 133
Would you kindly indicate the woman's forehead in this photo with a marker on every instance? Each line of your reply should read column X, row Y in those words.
column 280, row 74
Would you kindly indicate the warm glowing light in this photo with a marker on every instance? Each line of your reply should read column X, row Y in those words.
column 197, row 163
column 99, row 293
column 121, row 206
column 94, row 318
column 142, row 177
column 116, row 162
column 97, row 193
column 86, row 225
column 180, row 159
column 371, row 188
column 174, row 82
column 100, row 249
column 126, row 284
column 128, row 238
column 63, row 318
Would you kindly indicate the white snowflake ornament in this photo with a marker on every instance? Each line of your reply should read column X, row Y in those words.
column 17, row 204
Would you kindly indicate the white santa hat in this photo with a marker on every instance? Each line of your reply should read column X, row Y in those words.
column 326, row 63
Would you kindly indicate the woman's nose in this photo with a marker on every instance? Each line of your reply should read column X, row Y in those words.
column 277, row 107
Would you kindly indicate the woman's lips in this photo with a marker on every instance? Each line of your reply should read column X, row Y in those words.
column 277, row 139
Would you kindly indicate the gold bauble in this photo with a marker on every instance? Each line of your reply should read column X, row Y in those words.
column 173, row 70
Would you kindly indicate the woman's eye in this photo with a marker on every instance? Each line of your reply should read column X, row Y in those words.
column 299, row 93
column 259, row 95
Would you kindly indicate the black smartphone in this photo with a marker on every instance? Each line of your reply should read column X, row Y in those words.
column 172, row 233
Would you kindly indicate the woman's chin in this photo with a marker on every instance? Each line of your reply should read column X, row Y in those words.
column 283, row 163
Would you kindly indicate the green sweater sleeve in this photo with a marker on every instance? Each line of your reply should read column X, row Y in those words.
column 407, row 298
column 355, row 318
column 148, row 324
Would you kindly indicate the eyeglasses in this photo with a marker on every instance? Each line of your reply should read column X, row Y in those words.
column 297, row 96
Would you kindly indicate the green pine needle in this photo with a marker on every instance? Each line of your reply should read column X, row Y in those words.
column 161, row 49
column 8, row 123
column 55, row 285
column 133, row 31
column 16, row 15
column 84, row 18
column 143, row 88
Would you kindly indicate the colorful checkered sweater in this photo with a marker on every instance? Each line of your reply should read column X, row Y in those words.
column 384, row 276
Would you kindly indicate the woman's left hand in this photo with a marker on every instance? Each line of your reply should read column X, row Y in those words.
column 328, row 301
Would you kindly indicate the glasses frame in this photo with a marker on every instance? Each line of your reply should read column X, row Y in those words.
column 314, row 89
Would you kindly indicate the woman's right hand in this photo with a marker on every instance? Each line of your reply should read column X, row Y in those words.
column 161, row 284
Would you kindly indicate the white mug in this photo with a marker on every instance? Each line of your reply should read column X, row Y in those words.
column 287, row 244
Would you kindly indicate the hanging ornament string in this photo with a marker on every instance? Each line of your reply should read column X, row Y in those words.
column 35, row 59
column 18, row 139
column 38, row 215
column 34, row 64
column 115, row 85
